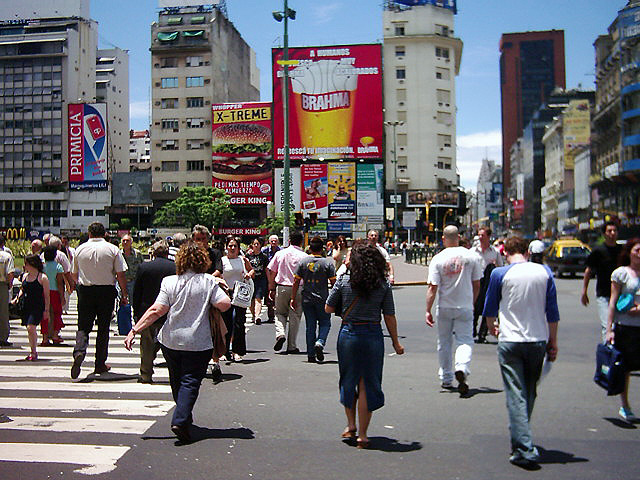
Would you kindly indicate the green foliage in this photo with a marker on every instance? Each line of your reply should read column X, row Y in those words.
column 276, row 224
column 20, row 248
column 113, row 226
column 196, row 205
column 126, row 223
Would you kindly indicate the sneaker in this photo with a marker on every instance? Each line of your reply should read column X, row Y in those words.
column 279, row 343
column 627, row 415
column 4, row 343
column 102, row 369
column 182, row 432
column 447, row 386
column 525, row 463
column 463, row 388
column 216, row 373
column 319, row 349
column 237, row 358
column 77, row 363
column 311, row 359
column 258, row 321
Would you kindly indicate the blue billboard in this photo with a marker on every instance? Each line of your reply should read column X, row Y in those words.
column 629, row 22
column 448, row 4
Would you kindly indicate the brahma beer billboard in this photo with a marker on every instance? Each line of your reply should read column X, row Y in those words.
column 335, row 102
column 88, row 141
column 242, row 151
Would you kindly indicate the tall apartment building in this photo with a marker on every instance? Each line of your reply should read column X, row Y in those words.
column 421, row 58
column 489, row 195
column 531, row 66
column 48, row 58
column 139, row 150
column 197, row 58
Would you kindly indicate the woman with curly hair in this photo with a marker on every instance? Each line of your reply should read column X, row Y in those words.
column 363, row 296
column 185, row 337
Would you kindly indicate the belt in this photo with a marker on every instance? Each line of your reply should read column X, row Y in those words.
column 282, row 285
column 360, row 323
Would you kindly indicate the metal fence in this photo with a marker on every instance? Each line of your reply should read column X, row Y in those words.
column 420, row 255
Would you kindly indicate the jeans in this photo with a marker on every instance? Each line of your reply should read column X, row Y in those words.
column 603, row 313
column 520, row 365
column 186, row 371
column 314, row 314
column 458, row 323
column 5, row 296
column 234, row 319
column 95, row 303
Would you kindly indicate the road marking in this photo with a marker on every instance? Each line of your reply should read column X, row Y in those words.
column 97, row 425
column 47, row 356
column 149, row 408
column 96, row 458
column 34, row 370
column 102, row 387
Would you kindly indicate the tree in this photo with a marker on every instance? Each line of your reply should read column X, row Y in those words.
column 196, row 205
column 275, row 224
column 126, row 223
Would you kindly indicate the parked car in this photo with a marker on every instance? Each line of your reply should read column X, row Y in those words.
column 567, row 256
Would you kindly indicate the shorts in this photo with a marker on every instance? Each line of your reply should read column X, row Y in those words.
column 32, row 318
column 627, row 341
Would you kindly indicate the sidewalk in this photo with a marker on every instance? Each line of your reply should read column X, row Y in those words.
column 408, row 273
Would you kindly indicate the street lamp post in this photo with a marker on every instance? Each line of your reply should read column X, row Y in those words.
column 285, row 15
column 395, row 176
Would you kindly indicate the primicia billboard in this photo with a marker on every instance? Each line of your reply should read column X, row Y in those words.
column 88, row 141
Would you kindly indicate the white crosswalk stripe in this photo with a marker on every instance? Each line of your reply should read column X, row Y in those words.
column 40, row 403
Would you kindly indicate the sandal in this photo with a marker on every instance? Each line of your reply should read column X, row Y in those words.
column 45, row 343
column 57, row 341
column 363, row 444
column 31, row 357
column 350, row 434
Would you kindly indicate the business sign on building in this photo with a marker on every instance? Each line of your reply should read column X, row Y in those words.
column 335, row 102
column 185, row 3
column 294, row 185
column 448, row 4
column 437, row 198
column 242, row 151
column 88, row 141
column 314, row 189
column 342, row 191
column 576, row 129
column 628, row 23
column 370, row 202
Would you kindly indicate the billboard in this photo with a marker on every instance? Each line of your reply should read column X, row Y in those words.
column 448, row 4
column 314, row 189
column 131, row 188
column 88, row 141
column 628, row 22
column 294, row 184
column 438, row 198
column 370, row 202
column 576, row 129
column 242, row 151
column 335, row 102
column 185, row 3
column 342, row 190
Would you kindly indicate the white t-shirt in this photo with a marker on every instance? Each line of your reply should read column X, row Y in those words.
column 453, row 270
column 628, row 284
column 384, row 252
column 188, row 297
column 490, row 255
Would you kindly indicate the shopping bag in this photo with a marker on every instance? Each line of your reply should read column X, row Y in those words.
column 124, row 319
column 610, row 373
column 242, row 293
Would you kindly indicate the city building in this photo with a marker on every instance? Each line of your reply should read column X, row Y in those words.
column 615, row 146
column 421, row 58
column 531, row 67
column 139, row 150
column 48, row 60
column 197, row 58
column 489, row 196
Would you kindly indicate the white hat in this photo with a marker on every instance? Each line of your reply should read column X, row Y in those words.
column 536, row 247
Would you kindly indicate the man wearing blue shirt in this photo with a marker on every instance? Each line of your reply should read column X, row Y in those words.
column 522, row 296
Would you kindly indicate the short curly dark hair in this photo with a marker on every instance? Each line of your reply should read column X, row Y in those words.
column 367, row 266
column 192, row 256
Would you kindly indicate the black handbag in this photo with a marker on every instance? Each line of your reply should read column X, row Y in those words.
column 610, row 371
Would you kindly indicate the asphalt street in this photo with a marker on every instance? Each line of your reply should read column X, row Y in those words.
column 278, row 417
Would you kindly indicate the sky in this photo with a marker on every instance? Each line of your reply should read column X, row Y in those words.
column 479, row 24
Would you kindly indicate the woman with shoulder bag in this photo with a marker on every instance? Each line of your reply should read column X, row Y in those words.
column 364, row 294
column 623, row 324
column 235, row 268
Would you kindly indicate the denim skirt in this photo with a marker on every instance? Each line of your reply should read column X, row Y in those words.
column 361, row 355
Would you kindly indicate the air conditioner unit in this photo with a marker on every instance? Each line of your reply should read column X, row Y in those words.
column 157, row 104
column 207, row 168
column 157, row 169
column 208, row 102
column 401, row 82
column 401, row 104
column 157, row 84
column 176, row 129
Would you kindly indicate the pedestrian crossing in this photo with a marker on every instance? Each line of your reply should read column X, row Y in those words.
column 46, row 418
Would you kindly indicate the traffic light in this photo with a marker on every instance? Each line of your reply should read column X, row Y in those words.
column 313, row 216
column 299, row 220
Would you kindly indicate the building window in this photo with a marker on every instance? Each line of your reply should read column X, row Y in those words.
column 444, row 163
column 100, row 213
column 402, row 139
column 194, row 61
column 401, row 94
column 400, row 51
column 169, row 103
column 402, row 161
column 442, row 73
column 442, row 30
column 170, row 145
column 88, row 213
column 195, row 81
column 402, row 116
column 442, row 52
column 76, row 213
column 195, row 102
column 444, row 141
column 444, row 97
column 195, row 144
column 399, row 30
column 170, row 123
column 169, row 186
column 195, row 165
column 170, row 82
column 195, row 122
column 169, row 62
column 170, row 166
column 400, row 73
column 444, row 118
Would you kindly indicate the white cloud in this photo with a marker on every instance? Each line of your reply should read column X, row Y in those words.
column 139, row 110
column 324, row 13
column 471, row 149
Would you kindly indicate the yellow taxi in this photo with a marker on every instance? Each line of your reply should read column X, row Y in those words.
column 567, row 256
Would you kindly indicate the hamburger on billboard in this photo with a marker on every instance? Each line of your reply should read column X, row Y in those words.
column 242, row 151
column 335, row 99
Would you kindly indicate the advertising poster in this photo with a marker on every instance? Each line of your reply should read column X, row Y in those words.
column 314, row 189
column 342, row 190
column 335, row 102
column 436, row 197
column 87, row 130
column 370, row 204
column 242, row 151
column 576, row 129
column 294, row 181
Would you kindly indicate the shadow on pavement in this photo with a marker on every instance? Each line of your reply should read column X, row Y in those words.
column 385, row 444
column 203, row 433
column 255, row 360
column 558, row 456
column 618, row 422
column 475, row 391
column 110, row 377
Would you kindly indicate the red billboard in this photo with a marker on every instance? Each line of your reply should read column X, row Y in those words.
column 314, row 188
column 88, row 141
column 241, row 141
column 335, row 102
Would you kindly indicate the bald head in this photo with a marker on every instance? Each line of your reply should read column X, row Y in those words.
column 450, row 236
column 36, row 246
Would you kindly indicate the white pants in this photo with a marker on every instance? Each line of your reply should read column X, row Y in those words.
column 458, row 323
column 284, row 312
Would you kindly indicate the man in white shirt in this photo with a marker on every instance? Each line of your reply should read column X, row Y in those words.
column 455, row 274
column 96, row 267
column 490, row 256
column 522, row 296
column 373, row 237
column 6, row 281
